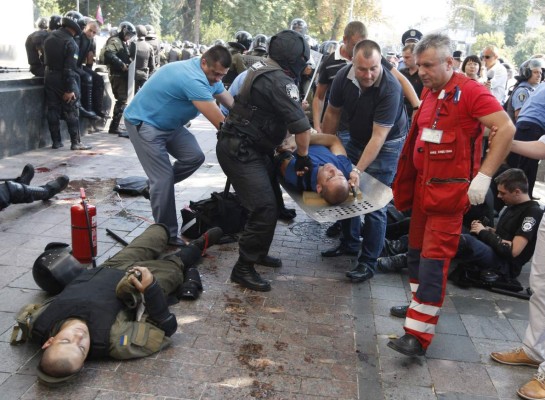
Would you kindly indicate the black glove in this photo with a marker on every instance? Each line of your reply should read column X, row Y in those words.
column 303, row 164
column 157, row 308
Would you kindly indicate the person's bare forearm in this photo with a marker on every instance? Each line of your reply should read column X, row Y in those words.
column 534, row 149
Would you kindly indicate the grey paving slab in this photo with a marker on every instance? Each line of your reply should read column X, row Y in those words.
column 451, row 323
column 461, row 377
column 489, row 327
column 475, row 306
column 514, row 309
column 408, row 392
column 452, row 347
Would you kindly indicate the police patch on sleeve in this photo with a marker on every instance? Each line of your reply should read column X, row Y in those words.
column 528, row 224
column 292, row 91
column 522, row 97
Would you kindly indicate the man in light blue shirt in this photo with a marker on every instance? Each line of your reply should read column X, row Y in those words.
column 156, row 118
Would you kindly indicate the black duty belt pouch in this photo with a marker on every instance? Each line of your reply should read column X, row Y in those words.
column 221, row 209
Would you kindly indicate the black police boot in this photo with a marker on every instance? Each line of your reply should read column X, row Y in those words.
column 56, row 186
column 392, row 264
column 334, row 230
column 269, row 261
column 56, row 139
column 87, row 114
column 394, row 247
column 361, row 273
column 26, row 175
column 208, row 238
column 408, row 345
column 245, row 275
column 399, row 311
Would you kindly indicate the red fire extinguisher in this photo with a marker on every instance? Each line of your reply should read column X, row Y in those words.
column 84, row 231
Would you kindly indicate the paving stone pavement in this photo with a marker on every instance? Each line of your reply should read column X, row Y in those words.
column 314, row 336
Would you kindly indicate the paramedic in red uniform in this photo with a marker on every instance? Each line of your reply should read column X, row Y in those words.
column 438, row 176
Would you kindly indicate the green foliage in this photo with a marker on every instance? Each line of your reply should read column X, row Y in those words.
column 494, row 38
column 213, row 31
column 517, row 15
column 529, row 44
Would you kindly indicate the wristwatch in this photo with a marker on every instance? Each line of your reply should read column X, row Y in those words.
column 355, row 169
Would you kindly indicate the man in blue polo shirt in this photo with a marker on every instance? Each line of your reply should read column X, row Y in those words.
column 156, row 118
column 372, row 99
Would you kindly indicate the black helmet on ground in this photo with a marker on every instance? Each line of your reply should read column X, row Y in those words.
column 72, row 20
column 55, row 268
column 290, row 50
column 244, row 38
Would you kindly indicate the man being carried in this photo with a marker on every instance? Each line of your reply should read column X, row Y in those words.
column 331, row 179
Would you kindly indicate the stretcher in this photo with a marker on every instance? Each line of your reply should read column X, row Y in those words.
column 371, row 196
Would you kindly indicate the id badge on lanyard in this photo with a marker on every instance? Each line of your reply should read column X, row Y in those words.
column 433, row 135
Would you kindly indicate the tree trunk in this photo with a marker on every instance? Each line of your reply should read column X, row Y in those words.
column 197, row 21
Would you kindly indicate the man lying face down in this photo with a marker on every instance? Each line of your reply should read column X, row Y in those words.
column 334, row 176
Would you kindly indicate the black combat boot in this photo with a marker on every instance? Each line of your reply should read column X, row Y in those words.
column 393, row 247
column 56, row 139
column 21, row 193
column 26, row 175
column 245, row 275
column 86, row 102
column 392, row 264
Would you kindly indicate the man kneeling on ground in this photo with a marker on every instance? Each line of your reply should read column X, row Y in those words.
column 334, row 177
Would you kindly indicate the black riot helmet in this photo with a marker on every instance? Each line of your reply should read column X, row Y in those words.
column 150, row 29
column 290, row 50
column 72, row 20
column 328, row 47
column 42, row 23
column 259, row 42
column 84, row 21
column 299, row 25
column 126, row 28
column 141, row 31
column 54, row 22
column 244, row 38
column 55, row 268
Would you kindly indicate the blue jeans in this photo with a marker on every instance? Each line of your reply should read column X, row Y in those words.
column 382, row 168
column 472, row 250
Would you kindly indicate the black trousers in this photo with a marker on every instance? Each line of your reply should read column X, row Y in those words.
column 251, row 174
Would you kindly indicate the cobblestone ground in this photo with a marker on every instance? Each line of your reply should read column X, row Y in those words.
column 314, row 336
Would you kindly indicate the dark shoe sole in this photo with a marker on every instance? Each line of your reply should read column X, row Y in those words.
column 360, row 279
column 393, row 346
column 341, row 253
column 247, row 285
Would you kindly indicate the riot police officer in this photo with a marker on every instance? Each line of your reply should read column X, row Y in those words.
column 155, row 43
column 259, row 46
column 62, row 81
column 299, row 25
column 34, row 46
column 242, row 43
column 117, row 58
column 142, row 52
column 265, row 108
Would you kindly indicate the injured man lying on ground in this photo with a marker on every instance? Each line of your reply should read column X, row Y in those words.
column 331, row 177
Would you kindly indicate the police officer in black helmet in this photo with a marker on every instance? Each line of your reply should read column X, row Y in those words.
column 266, row 107
column 34, row 46
column 117, row 58
column 61, row 81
